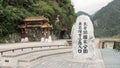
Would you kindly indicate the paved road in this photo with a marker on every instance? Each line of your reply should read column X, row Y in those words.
column 111, row 58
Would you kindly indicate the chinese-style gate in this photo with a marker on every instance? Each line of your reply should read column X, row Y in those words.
column 35, row 23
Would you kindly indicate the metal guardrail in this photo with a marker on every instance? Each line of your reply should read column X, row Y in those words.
column 29, row 48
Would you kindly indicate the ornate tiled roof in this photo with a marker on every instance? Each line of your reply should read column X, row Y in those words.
column 32, row 19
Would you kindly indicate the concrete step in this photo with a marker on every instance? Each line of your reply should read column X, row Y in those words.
column 28, row 51
column 18, row 58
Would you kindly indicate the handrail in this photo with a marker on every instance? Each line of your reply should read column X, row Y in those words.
column 30, row 47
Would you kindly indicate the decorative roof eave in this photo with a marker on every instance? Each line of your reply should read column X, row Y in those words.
column 46, row 26
column 33, row 19
column 41, row 26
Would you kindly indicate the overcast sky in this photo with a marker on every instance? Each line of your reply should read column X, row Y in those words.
column 89, row 6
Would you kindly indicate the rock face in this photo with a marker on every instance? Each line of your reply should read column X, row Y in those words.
column 83, row 38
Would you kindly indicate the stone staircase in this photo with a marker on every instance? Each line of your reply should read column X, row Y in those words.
column 25, row 55
column 28, row 57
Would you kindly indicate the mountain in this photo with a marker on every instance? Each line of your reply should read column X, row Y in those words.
column 82, row 13
column 107, row 20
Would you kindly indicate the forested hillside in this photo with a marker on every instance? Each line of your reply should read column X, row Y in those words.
column 107, row 20
column 12, row 12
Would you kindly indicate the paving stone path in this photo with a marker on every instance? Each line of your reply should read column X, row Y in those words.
column 111, row 58
column 60, row 61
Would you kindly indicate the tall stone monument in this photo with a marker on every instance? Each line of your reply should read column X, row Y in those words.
column 83, row 38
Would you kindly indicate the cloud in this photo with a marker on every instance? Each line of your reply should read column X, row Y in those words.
column 89, row 6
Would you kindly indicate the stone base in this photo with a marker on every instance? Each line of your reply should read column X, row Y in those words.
column 89, row 60
column 94, row 62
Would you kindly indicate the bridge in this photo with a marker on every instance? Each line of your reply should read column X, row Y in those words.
column 57, row 54
column 107, row 42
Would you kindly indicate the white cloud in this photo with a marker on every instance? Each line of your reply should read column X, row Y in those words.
column 89, row 6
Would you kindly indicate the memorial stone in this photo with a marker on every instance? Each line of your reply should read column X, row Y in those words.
column 83, row 38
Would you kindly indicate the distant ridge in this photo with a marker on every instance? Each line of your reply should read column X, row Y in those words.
column 107, row 20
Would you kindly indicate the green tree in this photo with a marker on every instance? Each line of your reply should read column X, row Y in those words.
column 12, row 12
